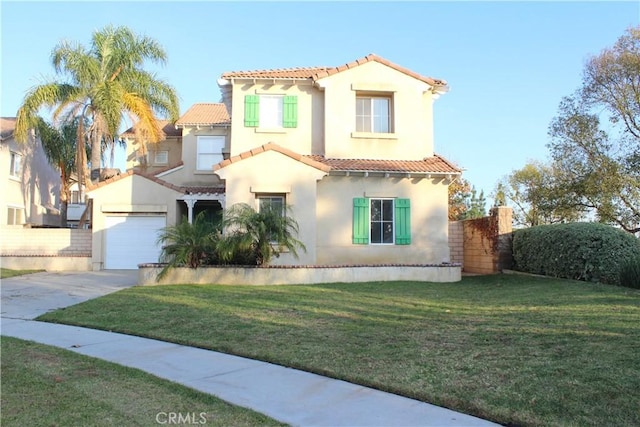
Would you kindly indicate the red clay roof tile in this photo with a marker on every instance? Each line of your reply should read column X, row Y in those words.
column 166, row 126
column 316, row 73
column 205, row 114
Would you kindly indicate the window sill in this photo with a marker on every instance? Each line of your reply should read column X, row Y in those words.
column 270, row 130
column 373, row 135
column 14, row 178
column 204, row 172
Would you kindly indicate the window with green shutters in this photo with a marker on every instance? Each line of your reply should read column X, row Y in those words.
column 275, row 111
column 381, row 221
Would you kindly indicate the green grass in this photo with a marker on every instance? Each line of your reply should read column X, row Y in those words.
column 513, row 349
column 5, row 273
column 47, row 386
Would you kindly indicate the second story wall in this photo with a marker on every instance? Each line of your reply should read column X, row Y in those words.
column 291, row 115
column 374, row 111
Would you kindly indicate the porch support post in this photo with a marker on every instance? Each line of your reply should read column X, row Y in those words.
column 190, row 204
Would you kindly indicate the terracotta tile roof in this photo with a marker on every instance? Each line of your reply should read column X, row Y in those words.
column 279, row 73
column 205, row 114
column 7, row 126
column 167, row 127
column 151, row 177
column 273, row 147
column 435, row 164
column 316, row 73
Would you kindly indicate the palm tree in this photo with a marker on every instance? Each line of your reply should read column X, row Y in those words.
column 59, row 146
column 104, row 83
column 264, row 234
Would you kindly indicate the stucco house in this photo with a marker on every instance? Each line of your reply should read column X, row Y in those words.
column 30, row 185
column 349, row 150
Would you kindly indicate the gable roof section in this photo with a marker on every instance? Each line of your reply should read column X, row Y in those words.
column 307, row 160
column 436, row 164
column 204, row 114
column 7, row 127
column 317, row 73
column 184, row 190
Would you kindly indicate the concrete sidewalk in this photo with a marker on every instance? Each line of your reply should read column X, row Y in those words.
column 288, row 395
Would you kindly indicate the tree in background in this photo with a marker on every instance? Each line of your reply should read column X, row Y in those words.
column 600, row 164
column 102, row 83
column 536, row 197
column 465, row 202
column 59, row 146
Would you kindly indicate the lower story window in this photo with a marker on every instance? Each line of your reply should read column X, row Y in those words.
column 381, row 221
column 274, row 203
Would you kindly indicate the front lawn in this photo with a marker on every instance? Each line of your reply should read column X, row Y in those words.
column 47, row 386
column 513, row 349
column 6, row 273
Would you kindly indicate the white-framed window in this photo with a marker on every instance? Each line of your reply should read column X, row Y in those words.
column 161, row 157
column 75, row 198
column 374, row 114
column 16, row 164
column 271, row 107
column 209, row 152
column 381, row 221
column 275, row 203
column 15, row 216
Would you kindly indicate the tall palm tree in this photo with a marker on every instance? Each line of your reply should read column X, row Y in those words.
column 104, row 83
column 59, row 145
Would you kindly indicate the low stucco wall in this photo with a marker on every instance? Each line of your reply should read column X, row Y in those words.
column 147, row 274
column 49, row 263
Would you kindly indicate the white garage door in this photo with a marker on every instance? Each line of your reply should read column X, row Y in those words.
column 131, row 240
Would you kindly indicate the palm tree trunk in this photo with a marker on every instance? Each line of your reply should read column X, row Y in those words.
column 96, row 157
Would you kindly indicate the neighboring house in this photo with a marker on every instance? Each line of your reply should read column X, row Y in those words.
column 30, row 185
column 349, row 150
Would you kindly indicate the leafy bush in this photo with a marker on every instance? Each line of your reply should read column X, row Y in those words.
column 582, row 251
column 630, row 273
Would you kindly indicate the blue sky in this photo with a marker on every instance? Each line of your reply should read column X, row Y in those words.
column 508, row 63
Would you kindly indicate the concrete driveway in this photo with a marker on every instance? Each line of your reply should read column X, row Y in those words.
column 27, row 297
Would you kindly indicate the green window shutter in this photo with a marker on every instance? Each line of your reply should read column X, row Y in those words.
column 251, row 110
column 290, row 113
column 403, row 221
column 360, row 221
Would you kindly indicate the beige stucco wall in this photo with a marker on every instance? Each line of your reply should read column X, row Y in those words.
column 188, row 175
column 429, row 223
column 412, row 137
column 173, row 145
column 306, row 138
column 130, row 195
column 274, row 173
column 147, row 275
column 37, row 186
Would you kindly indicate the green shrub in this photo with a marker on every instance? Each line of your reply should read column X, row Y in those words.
column 582, row 251
column 630, row 273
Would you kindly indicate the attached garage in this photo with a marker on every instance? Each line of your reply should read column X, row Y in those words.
column 131, row 240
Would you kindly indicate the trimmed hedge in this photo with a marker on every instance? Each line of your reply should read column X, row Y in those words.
column 586, row 251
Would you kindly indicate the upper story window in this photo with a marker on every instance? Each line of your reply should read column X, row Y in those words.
column 75, row 198
column 15, row 216
column 209, row 152
column 270, row 111
column 161, row 157
column 373, row 114
column 16, row 164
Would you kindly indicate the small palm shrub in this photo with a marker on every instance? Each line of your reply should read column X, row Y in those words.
column 256, row 237
column 630, row 273
column 190, row 245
